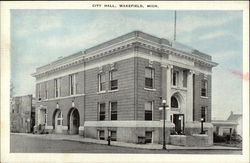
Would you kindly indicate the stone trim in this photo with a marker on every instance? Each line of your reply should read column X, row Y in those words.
column 126, row 124
column 64, row 127
column 149, row 89
column 81, row 128
column 60, row 98
column 197, row 124
column 49, row 127
column 123, row 57
column 124, row 45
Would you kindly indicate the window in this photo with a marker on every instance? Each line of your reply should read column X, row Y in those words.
column 112, row 135
column 174, row 102
column 148, row 136
column 113, row 110
column 204, row 88
column 149, row 77
column 45, row 117
column 148, row 110
column 101, row 134
column 204, row 113
column 39, row 91
column 102, row 111
column 57, row 87
column 59, row 118
column 175, row 78
column 101, row 79
column 113, row 80
column 72, row 83
column 46, row 90
column 185, row 73
column 17, row 108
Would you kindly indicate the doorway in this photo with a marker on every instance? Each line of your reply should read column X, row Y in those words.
column 73, row 121
column 58, row 122
column 179, row 120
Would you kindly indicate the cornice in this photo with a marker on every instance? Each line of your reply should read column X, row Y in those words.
column 132, row 42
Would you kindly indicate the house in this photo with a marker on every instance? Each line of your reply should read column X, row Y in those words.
column 116, row 88
column 22, row 115
column 238, row 119
column 227, row 127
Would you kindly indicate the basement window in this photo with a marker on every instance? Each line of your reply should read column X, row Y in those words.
column 101, row 134
column 148, row 136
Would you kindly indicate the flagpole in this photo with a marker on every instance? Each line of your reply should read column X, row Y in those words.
column 174, row 25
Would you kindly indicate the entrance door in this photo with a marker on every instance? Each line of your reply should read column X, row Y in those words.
column 74, row 122
column 179, row 123
column 58, row 122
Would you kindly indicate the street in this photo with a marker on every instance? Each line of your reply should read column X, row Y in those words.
column 26, row 144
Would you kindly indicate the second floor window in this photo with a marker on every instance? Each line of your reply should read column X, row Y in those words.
column 204, row 88
column 113, row 110
column 184, row 82
column 148, row 111
column 102, row 111
column 174, row 102
column 101, row 134
column 46, row 90
column 175, row 78
column 149, row 78
column 101, row 81
column 113, row 80
column 57, row 87
column 39, row 91
column 72, row 83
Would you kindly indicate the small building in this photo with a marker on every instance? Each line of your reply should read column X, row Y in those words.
column 227, row 127
column 22, row 115
column 116, row 88
column 238, row 119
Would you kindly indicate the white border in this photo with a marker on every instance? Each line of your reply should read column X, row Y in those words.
column 5, row 75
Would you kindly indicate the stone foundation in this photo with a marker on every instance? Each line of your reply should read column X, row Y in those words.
column 128, row 131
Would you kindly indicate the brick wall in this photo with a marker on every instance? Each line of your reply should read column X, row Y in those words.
column 148, row 95
column 124, row 96
column 64, row 89
column 201, row 101
column 20, row 117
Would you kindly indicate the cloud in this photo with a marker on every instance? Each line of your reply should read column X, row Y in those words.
column 30, row 24
column 87, row 35
column 212, row 35
column 190, row 23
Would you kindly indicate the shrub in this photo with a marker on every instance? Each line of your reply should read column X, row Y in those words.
column 219, row 139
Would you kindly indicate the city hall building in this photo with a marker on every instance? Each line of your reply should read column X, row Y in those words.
column 116, row 89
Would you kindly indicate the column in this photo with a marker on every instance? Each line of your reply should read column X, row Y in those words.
column 163, row 84
column 163, row 81
column 189, row 107
column 168, row 90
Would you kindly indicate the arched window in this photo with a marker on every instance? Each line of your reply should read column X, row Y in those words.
column 174, row 102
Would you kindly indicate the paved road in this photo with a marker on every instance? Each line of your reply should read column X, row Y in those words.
column 26, row 144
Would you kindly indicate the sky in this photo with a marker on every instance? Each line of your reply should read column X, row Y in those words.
column 39, row 37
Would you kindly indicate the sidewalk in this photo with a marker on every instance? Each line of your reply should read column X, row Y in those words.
column 78, row 138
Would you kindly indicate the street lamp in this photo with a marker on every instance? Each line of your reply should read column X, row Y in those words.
column 202, row 120
column 164, row 106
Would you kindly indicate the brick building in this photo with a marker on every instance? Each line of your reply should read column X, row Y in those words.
column 22, row 115
column 116, row 88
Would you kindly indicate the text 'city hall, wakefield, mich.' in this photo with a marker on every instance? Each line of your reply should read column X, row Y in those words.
column 116, row 89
